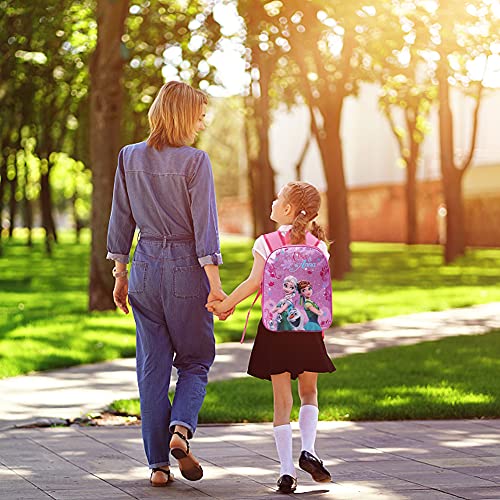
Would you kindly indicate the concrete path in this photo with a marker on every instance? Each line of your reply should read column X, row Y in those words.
column 419, row 460
column 72, row 392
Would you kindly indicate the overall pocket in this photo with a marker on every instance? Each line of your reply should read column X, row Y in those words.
column 137, row 281
column 187, row 282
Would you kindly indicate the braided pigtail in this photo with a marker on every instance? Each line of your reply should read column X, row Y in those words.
column 319, row 232
column 299, row 226
column 305, row 201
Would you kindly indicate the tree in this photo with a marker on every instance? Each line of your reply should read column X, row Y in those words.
column 406, row 98
column 45, row 79
column 105, row 120
column 262, row 61
column 467, row 33
column 329, row 48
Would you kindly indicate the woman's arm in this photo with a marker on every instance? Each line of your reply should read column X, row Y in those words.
column 120, row 290
column 121, row 225
column 243, row 290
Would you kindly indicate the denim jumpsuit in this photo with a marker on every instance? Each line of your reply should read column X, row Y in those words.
column 169, row 195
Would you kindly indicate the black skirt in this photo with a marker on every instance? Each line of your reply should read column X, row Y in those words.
column 293, row 352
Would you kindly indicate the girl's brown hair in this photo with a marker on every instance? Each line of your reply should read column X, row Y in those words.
column 305, row 201
column 174, row 114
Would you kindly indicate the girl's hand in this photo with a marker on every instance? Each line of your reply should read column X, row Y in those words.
column 220, row 310
column 217, row 307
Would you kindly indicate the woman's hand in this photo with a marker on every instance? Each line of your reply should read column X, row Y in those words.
column 216, row 296
column 218, row 308
column 120, row 293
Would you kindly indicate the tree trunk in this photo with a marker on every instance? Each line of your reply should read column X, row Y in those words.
column 12, row 204
column 451, row 176
column 261, row 173
column 105, row 117
column 46, row 210
column 252, row 165
column 330, row 146
column 338, row 215
column 3, row 182
column 411, row 200
column 28, row 220
column 455, row 216
column 78, row 222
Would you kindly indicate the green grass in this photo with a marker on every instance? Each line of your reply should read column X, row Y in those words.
column 447, row 379
column 44, row 321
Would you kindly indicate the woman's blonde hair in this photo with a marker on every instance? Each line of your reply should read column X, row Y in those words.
column 174, row 114
column 305, row 200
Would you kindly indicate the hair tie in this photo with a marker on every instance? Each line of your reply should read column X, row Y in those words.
column 303, row 212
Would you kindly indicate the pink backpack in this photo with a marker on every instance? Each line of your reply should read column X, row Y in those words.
column 296, row 286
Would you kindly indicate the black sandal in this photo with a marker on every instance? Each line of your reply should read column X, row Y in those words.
column 188, row 465
column 170, row 477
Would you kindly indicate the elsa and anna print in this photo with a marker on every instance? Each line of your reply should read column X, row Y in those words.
column 287, row 317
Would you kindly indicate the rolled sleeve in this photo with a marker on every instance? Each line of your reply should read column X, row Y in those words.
column 215, row 258
column 204, row 212
column 121, row 226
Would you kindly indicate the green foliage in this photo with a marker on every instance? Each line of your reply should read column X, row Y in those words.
column 71, row 185
column 223, row 140
column 47, row 48
column 44, row 97
column 445, row 379
column 165, row 40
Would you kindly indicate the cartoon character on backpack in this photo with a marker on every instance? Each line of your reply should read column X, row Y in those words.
column 288, row 317
column 311, row 308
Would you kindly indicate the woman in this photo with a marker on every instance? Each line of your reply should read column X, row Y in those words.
column 165, row 188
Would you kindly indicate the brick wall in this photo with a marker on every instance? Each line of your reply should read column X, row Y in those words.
column 378, row 214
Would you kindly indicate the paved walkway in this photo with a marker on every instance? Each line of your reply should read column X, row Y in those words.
column 368, row 460
column 72, row 392
column 419, row 460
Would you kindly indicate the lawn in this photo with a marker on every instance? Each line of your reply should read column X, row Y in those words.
column 44, row 321
column 451, row 378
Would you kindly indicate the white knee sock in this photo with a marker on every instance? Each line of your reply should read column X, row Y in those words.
column 283, row 438
column 308, row 422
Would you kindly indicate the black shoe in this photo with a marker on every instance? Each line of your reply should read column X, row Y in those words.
column 314, row 466
column 287, row 484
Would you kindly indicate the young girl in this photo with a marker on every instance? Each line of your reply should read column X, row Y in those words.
column 284, row 355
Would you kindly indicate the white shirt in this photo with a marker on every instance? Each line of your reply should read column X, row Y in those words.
column 260, row 245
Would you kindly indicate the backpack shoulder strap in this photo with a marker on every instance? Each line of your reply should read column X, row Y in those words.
column 274, row 240
column 312, row 240
column 248, row 316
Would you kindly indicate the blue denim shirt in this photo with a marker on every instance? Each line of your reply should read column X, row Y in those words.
column 168, row 193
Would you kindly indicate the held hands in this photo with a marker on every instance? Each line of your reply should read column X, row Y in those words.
column 216, row 307
column 214, row 300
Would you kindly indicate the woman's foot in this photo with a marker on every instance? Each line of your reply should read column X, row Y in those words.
column 287, row 484
column 314, row 466
column 188, row 465
column 161, row 476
